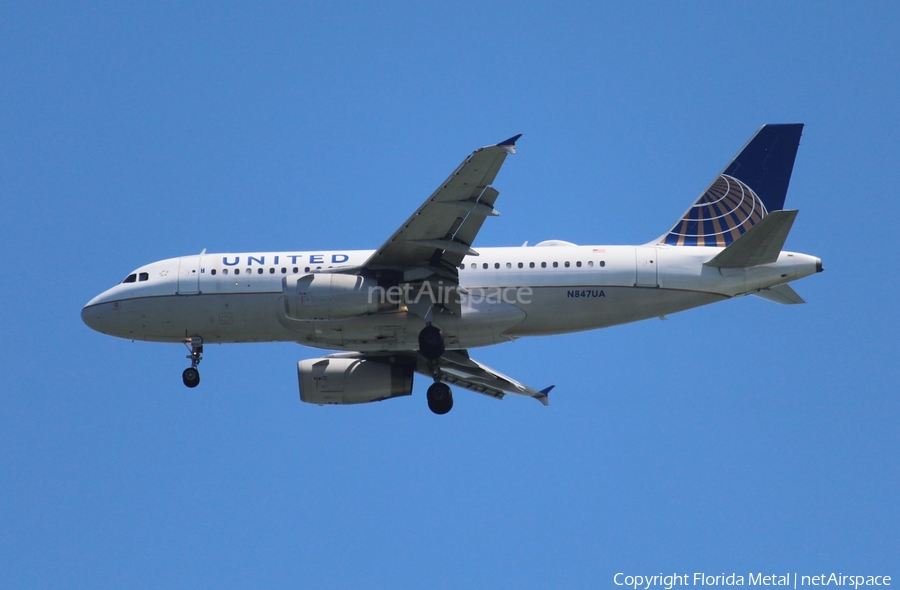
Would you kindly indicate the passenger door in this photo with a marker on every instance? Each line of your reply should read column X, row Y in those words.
column 647, row 265
column 189, row 275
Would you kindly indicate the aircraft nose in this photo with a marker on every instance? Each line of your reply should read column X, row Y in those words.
column 819, row 267
column 96, row 313
column 91, row 315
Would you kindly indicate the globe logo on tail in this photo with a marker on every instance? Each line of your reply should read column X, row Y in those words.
column 721, row 215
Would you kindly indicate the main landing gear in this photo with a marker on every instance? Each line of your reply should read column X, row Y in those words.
column 191, row 376
column 431, row 342
column 440, row 398
column 431, row 346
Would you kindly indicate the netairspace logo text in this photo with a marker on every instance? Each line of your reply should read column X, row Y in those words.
column 788, row 580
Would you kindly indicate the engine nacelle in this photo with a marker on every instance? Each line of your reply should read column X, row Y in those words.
column 352, row 381
column 328, row 296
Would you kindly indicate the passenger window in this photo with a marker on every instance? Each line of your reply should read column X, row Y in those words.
column 555, row 265
column 543, row 265
column 306, row 269
column 473, row 266
column 484, row 266
column 508, row 265
column 259, row 271
column 521, row 265
column 462, row 266
column 590, row 263
column 567, row 264
column 296, row 270
column 271, row 271
column 130, row 279
column 578, row 264
column 496, row 265
column 224, row 271
column 212, row 272
column 602, row 263
column 283, row 270
column 237, row 271
column 530, row 265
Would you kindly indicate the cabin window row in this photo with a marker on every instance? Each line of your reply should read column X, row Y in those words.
column 259, row 271
column 565, row 264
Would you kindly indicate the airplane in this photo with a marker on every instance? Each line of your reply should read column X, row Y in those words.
column 426, row 296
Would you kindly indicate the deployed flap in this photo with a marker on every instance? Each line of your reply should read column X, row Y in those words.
column 783, row 294
column 440, row 233
column 456, row 368
column 760, row 245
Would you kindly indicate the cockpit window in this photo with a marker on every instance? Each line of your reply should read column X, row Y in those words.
column 143, row 276
column 130, row 278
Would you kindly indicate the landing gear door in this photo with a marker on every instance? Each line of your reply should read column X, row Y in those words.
column 647, row 267
column 189, row 275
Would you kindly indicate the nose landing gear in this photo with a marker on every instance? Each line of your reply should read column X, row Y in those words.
column 191, row 376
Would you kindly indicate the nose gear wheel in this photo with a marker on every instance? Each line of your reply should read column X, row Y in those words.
column 191, row 376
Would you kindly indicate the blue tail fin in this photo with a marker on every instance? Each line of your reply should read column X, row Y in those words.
column 754, row 183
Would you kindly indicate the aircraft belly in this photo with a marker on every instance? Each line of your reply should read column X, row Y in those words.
column 245, row 317
column 481, row 324
column 557, row 310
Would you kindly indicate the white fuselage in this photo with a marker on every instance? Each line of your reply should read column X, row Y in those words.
column 510, row 292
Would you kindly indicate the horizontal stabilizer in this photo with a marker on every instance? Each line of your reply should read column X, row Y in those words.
column 782, row 294
column 761, row 244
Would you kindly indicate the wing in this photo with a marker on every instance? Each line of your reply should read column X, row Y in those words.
column 440, row 233
column 456, row 368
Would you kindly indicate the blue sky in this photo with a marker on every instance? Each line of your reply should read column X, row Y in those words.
column 741, row 437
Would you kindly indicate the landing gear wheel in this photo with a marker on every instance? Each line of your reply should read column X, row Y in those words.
column 440, row 398
column 431, row 343
column 191, row 377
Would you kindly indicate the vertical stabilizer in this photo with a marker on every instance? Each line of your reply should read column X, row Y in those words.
column 752, row 185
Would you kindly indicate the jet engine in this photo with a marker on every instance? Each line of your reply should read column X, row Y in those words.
column 330, row 296
column 352, row 380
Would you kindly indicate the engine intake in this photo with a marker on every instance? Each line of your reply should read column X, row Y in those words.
column 352, row 381
column 329, row 296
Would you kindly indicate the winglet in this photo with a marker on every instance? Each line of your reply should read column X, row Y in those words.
column 510, row 144
column 542, row 396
